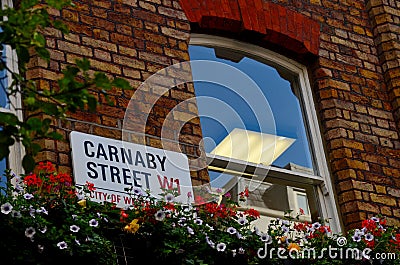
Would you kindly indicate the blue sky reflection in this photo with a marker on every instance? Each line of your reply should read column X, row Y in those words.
column 236, row 104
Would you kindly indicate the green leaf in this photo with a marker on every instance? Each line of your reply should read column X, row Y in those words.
column 83, row 64
column 38, row 39
column 71, row 72
column 58, row 4
column 7, row 134
column 8, row 119
column 30, row 100
column 34, row 123
column 121, row 83
column 49, row 108
column 102, row 81
column 5, row 138
column 55, row 135
column 35, row 148
column 61, row 26
column 92, row 103
column 28, row 163
column 43, row 53
column 23, row 54
column 4, row 151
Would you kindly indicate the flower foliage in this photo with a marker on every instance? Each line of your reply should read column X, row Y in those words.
column 44, row 218
column 219, row 233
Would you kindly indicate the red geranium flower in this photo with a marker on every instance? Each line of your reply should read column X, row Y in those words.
column 48, row 166
column 369, row 224
column 33, row 180
column 252, row 213
column 90, row 186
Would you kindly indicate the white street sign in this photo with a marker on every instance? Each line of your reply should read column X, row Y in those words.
column 113, row 165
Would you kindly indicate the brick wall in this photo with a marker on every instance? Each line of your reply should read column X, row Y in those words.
column 351, row 49
column 354, row 83
column 132, row 40
column 356, row 113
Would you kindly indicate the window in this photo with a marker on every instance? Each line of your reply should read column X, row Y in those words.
column 10, row 104
column 260, row 129
column 3, row 106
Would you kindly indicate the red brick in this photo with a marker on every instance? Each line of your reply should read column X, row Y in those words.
column 99, row 22
column 125, row 19
column 99, row 44
column 74, row 48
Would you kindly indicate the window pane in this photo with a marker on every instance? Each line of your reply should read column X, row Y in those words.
column 271, row 199
column 302, row 203
column 3, row 167
column 3, row 83
column 222, row 110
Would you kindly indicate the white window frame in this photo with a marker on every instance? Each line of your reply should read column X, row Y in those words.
column 321, row 183
column 16, row 151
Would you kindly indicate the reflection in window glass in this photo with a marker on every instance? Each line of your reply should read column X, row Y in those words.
column 283, row 102
column 271, row 199
column 302, row 203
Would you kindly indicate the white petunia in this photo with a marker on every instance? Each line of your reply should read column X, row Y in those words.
column 28, row 196
column 80, row 196
column 16, row 214
column 190, row 230
column 6, row 208
column 198, row 221
column 93, row 223
column 239, row 235
column 160, row 215
column 285, row 229
column 242, row 220
column 375, row 219
column 359, row 232
column 182, row 221
column 316, row 225
column 30, row 232
column 19, row 187
column 32, row 211
column 62, row 245
column 266, row 238
column 221, row 247
column 42, row 210
column 369, row 237
column 40, row 248
column 169, row 197
column 43, row 229
column 137, row 191
column 210, row 227
column 74, row 228
column 356, row 238
column 257, row 231
column 231, row 230
column 210, row 242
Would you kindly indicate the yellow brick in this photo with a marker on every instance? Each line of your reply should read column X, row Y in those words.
column 359, row 30
column 380, row 189
column 386, row 200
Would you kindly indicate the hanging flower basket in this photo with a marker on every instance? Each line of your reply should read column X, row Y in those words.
column 44, row 219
